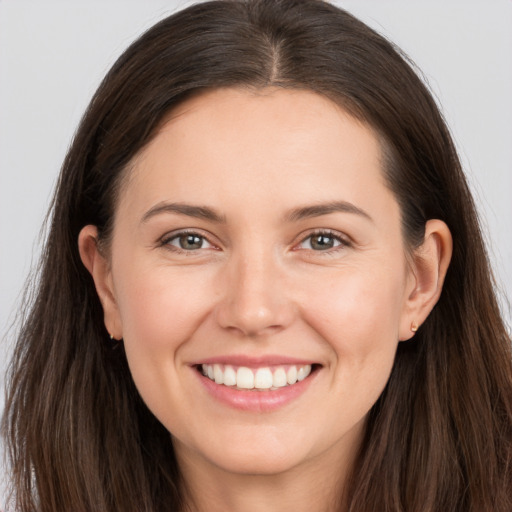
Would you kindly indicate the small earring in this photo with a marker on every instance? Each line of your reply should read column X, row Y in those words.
column 111, row 337
column 414, row 327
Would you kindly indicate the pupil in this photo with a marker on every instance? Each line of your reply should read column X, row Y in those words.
column 191, row 242
column 322, row 242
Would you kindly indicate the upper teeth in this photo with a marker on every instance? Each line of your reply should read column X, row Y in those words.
column 257, row 378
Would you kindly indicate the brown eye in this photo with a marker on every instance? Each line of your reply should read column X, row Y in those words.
column 322, row 242
column 188, row 242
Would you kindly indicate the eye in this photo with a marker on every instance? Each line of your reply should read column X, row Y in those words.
column 322, row 241
column 187, row 241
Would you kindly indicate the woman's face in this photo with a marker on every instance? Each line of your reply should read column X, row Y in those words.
column 255, row 240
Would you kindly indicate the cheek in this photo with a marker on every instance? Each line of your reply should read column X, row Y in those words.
column 358, row 316
column 357, row 304
column 160, row 309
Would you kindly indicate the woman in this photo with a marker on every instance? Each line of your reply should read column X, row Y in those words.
column 264, row 286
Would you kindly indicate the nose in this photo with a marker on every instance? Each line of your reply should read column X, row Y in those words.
column 255, row 301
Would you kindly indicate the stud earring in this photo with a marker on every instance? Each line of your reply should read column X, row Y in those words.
column 414, row 327
column 111, row 337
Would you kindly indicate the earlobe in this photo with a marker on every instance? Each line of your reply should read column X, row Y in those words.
column 99, row 267
column 429, row 265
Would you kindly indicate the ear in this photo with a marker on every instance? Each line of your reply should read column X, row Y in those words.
column 428, row 266
column 99, row 267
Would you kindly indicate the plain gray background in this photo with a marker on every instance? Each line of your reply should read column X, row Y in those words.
column 54, row 53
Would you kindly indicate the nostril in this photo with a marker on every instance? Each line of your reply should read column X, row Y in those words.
column 254, row 310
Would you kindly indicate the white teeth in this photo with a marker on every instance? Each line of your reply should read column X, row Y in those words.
column 303, row 372
column 244, row 378
column 291, row 375
column 229, row 376
column 218, row 374
column 261, row 378
column 279, row 378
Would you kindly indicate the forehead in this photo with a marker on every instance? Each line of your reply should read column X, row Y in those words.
column 291, row 146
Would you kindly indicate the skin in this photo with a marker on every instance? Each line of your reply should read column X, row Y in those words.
column 257, row 286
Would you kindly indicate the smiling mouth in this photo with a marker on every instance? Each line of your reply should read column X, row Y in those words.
column 268, row 378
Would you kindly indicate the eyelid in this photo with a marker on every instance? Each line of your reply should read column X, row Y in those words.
column 165, row 239
column 344, row 240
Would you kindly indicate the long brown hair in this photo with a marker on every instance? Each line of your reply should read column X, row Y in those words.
column 439, row 438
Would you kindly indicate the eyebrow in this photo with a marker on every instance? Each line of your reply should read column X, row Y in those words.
column 207, row 213
column 198, row 212
column 316, row 210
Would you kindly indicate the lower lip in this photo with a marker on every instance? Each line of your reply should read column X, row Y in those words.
column 255, row 400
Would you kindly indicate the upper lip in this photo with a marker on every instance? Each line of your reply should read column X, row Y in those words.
column 253, row 362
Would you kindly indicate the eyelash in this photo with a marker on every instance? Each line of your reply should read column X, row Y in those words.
column 327, row 233
column 165, row 242
column 343, row 242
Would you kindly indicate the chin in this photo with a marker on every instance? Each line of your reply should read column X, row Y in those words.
column 263, row 463
column 247, row 454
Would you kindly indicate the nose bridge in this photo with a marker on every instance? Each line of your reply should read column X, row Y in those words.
column 255, row 301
